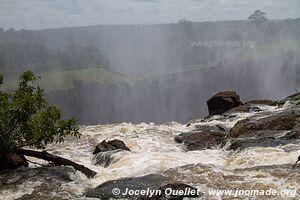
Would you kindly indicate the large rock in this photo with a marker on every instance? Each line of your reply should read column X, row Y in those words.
column 293, row 99
column 152, row 182
column 251, row 106
column 110, row 146
column 10, row 161
column 274, row 130
column 40, row 183
column 206, row 177
column 279, row 121
column 243, row 109
column 104, row 191
column 266, row 102
column 107, row 151
column 273, row 139
column 204, row 137
column 222, row 102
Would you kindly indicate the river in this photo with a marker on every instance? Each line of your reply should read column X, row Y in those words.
column 153, row 150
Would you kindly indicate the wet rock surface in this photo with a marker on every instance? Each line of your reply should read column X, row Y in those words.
column 203, row 137
column 105, row 190
column 37, row 183
column 283, row 121
column 266, row 123
column 251, row 106
column 10, row 161
column 176, row 190
column 240, row 144
column 222, row 102
column 156, row 187
column 106, row 151
column 265, row 142
column 267, row 102
column 110, row 145
column 273, row 130
column 295, row 99
column 106, row 158
column 244, row 108
column 204, row 177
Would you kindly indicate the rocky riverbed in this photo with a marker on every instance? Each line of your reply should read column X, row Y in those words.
column 248, row 146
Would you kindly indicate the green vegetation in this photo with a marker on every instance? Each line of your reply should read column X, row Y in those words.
column 67, row 79
column 16, row 58
column 26, row 119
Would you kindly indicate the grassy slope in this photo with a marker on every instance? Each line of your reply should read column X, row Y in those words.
column 65, row 79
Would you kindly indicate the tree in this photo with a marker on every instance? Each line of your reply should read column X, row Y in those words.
column 258, row 16
column 26, row 120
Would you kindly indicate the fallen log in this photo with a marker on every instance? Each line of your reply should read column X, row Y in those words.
column 56, row 160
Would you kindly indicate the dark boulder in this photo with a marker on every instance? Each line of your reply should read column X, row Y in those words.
column 152, row 182
column 110, row 146
column 273, row 130
column 222, row 102
column 107, row 151
column 10, row 161
column 279, row 121
column 105, row 190
column 268, row 141
column 203, row 137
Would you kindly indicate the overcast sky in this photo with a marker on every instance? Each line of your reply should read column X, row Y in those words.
column 40, row 14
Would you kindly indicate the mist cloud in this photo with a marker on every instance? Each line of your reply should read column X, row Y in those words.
column 39, row 14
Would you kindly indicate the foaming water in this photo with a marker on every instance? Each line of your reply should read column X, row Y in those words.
column 259, row 156
column 153, row 150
